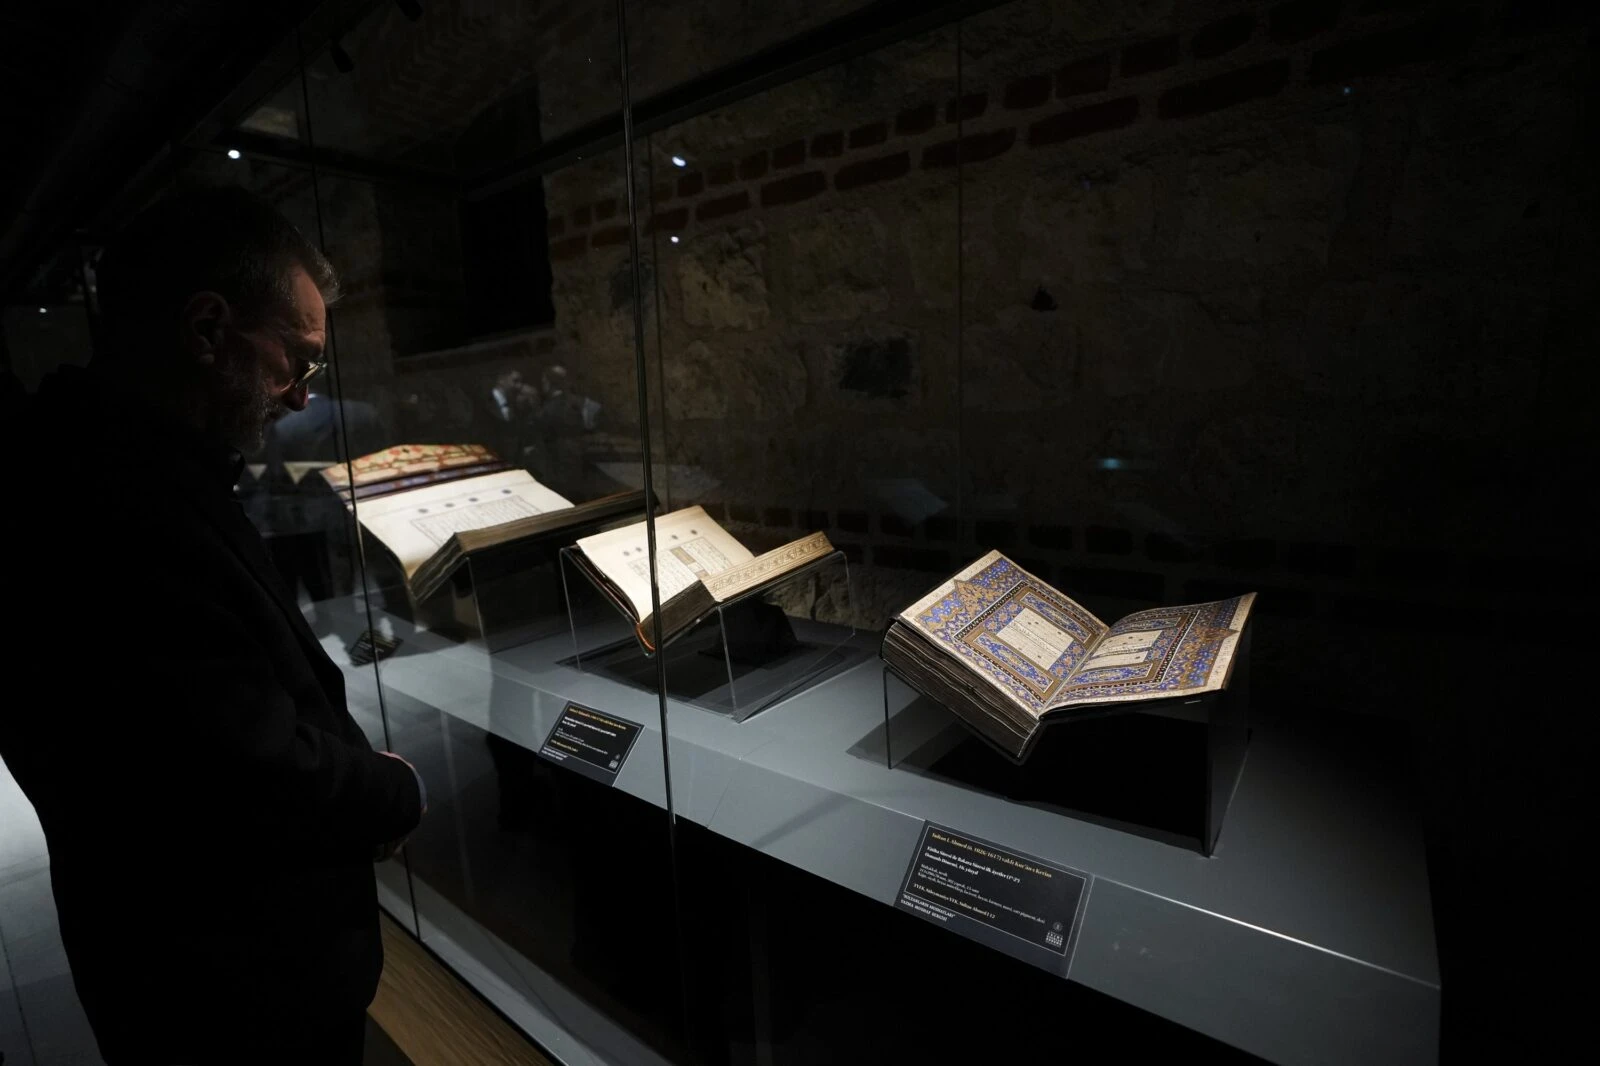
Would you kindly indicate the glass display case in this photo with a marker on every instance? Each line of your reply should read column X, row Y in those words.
column 454, row 405
column 685, row 347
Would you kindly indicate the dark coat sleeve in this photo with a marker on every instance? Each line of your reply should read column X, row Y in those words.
column 294, row 784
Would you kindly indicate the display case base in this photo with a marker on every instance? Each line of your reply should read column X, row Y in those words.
column 1165, row 769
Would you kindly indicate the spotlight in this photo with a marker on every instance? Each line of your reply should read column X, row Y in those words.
column 341, row 58
column 46, row 310
column 674, row 241
column 679, row 161
column 233, row 153
column 410, row 8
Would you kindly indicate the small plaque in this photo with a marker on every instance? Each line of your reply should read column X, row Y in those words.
column 590, row 743
column 370, row 646
column 1026, row 907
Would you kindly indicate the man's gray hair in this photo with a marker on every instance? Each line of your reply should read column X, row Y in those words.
column 223, row 240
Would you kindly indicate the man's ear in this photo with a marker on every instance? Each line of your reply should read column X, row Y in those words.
column 200, row 327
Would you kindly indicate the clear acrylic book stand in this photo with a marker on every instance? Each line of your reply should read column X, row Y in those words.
column 746, row 655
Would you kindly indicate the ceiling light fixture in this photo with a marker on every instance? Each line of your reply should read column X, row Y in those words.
column 233, row 153
column 679, row 161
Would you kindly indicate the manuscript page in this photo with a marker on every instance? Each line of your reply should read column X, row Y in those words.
column 689, row 546
column 416, row 523
column 1167, row 651
column 1004, row 625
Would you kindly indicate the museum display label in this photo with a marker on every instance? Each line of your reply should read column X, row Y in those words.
column 590, row 743
column 1023, row 906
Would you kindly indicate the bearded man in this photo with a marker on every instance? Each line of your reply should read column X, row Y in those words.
column 212, row 810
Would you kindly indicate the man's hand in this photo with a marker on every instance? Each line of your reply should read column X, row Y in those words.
column 385, row 852
column 422, row 789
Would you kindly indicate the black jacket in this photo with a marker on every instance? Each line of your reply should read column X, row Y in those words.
column 211, row 808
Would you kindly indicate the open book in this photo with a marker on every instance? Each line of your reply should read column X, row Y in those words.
column 1004, row 651
column 700, row 566
column 432, row 506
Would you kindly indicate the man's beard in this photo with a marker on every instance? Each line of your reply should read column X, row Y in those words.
column 246, row 405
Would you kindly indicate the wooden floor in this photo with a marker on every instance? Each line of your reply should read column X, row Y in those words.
column 434, row 1019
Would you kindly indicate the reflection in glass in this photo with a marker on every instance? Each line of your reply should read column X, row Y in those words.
column 412, row 133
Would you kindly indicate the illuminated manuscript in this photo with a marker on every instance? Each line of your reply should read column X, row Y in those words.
column 1003, row 649
column 698, row 566
column 432, row 506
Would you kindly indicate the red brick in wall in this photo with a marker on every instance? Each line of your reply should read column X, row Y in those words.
column 974, row 148
column 753, row 166
column 1147, row 57
column 1026, row 92
column 1096, row 118
column 793, row 189
column 916, row 120
column 726, row 205
column 966, row 108
column 828, row 145
column 868, row 171
column 870, row 134
column 789, row 155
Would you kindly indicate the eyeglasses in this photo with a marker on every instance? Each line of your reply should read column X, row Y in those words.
column 291, row 347
column 312, row 370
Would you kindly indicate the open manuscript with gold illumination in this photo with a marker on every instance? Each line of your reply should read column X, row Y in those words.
column 434, row 506
column 699, row 567
column 1006, row 652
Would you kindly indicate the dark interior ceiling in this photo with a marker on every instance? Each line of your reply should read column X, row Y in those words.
column 91, row 91
column 95, row 94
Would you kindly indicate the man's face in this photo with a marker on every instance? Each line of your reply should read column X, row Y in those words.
column 261, row 362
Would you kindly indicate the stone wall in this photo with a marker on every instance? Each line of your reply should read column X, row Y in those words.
column 1167, row 299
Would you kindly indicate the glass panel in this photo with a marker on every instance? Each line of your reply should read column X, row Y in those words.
column 1276, row 298
column 804, row 317
column 1167, row 303
column 1181, row 340
column 1026, row 281
column 802, row 337
column 309, row 534
column 464, row 342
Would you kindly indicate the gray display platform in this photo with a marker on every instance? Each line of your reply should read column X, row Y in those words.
column 1307, row 937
